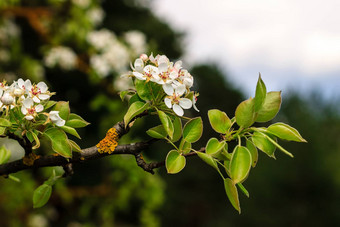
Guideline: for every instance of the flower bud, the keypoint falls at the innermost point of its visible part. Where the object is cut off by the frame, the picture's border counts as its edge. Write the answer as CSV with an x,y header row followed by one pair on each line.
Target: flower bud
x,y
18,92
7,99
144,57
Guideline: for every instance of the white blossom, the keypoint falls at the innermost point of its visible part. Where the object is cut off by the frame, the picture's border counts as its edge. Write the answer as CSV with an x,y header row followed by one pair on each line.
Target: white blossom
x,y
100,65
136,40
56,119
174,100
61,56
82,3
95,15
30,110
38,91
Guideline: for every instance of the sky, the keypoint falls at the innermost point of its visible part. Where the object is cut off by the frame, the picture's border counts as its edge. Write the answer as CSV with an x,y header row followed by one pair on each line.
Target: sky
x,y
292,43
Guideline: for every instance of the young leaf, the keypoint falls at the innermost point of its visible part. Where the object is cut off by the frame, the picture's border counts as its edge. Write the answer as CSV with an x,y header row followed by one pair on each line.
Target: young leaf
x,y
193,130
174,162
253,151
208,159
157,132
36,139
219,121
232,193
41,195
146,90
214,146
5,123
240,164
177,129
262,143
2,130
71,131
243,189
76,121
167,123
285,132
59,142
49,104
4,155
270,107
260,94
135,98
75,146
245,113
63,108
135,109
185,146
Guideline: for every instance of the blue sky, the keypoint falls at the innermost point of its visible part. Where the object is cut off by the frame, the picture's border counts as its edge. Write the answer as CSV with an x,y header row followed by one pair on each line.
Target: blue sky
x,y
294,44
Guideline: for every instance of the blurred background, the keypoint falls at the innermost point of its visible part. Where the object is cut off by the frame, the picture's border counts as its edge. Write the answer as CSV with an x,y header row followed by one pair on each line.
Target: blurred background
x,y
81,47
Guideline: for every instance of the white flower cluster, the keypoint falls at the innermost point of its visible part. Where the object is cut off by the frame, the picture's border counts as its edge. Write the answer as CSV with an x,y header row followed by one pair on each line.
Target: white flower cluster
x,y
111,55
61,56
136,40
175,80
28,98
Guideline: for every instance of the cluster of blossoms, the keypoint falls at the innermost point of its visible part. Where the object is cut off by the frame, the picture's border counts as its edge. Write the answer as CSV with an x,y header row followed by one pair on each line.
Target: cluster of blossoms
x,y
61,56
175,80
113,55
29,98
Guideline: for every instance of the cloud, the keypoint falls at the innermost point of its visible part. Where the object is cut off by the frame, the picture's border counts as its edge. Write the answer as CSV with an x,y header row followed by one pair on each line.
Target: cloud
x,y
301,35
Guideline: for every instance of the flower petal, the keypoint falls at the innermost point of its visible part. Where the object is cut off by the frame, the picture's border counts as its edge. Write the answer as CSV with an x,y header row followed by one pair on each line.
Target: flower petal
x,y
44,96
180,90
27,103
185,103
168,89
139,76
42,86
29,117
39,108
167,102
178,110
36,99
23,110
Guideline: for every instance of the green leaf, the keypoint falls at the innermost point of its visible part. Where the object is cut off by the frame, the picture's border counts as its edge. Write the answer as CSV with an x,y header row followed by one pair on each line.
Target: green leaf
x,y
193,130
157,132
122,94
59,142
185,146
63,108
135,98
49,104
2,130
262,143
208,159
260,94
214,147
135,109
240,164
36,139
245,113
167,123
75,146
285,132
219,121
253,151
147,90
76,121
177,129
232,193
30,136
5,123
243,189
270,107
70,130
41,195
4,155
174,162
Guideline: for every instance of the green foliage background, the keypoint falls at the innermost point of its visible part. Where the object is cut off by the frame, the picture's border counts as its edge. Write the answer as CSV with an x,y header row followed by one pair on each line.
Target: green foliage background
x,y
115,192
